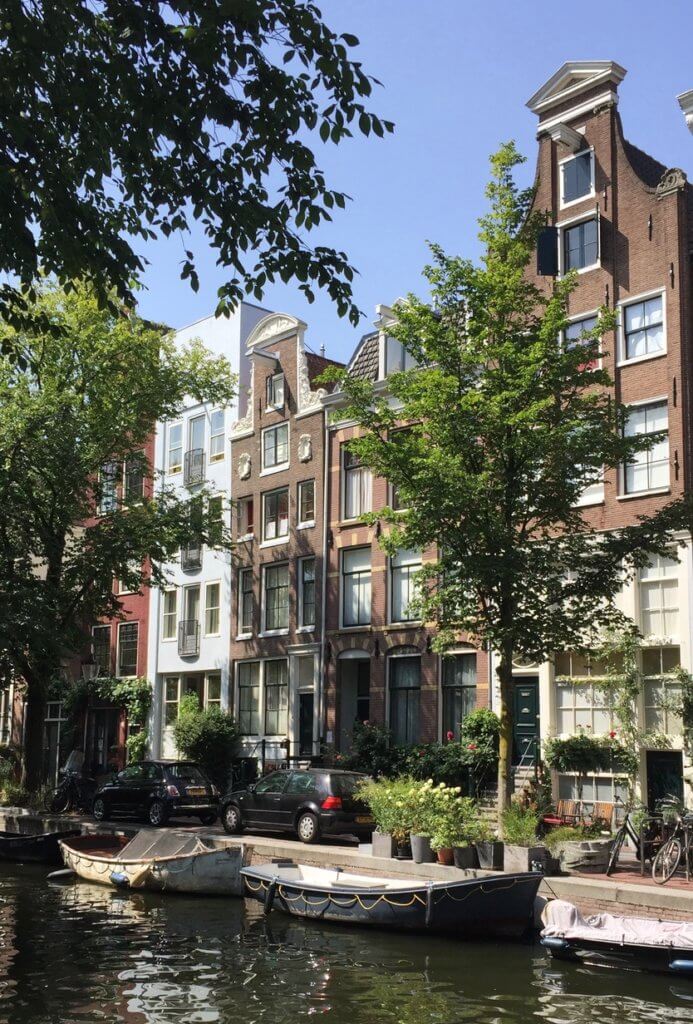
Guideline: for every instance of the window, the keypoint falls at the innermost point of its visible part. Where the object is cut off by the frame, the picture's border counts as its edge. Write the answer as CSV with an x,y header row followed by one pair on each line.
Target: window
x,y
249,697
302,783
101,644
212,607
306,594
405,693
213,690
275,520
275,446
245,601
580,704
662,690
275,391
580,245
108,484
659,597
276,697
215,510
577,177
356,485
574,332
276,596
403,569
196,434
175,447
643,328
171,700
396,501
216,435
245,517
169,616
648,470
306,503
397,358
600,788
356,586
133,487
128,633
192,603
459,690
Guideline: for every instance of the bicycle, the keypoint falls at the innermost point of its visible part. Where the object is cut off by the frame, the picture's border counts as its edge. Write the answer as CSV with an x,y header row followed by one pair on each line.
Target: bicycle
x,y
74,792
644,844
679,845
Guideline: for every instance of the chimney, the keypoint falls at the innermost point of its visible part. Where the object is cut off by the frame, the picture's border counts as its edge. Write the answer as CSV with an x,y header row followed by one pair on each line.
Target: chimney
x,y
686,104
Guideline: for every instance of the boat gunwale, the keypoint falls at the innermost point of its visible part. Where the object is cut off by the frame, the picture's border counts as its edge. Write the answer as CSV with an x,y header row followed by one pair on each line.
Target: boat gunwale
x,y
595,945
424,887
142,860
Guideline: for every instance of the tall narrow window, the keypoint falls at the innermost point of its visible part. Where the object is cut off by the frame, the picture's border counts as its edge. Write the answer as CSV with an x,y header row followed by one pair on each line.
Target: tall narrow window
x,y
171,688
643,328
216,435
133,485
275,391
175,447
405,697
580,704
169,614
108,483
212,608
276,596
249,698
659,597
662,690
356,480
581,245
356,586
128,634
216,520
275,446
276,697
276,514
213,690
245,602
307,591
459,690
246,524
306,503
101,642
403,569
649,470
577,177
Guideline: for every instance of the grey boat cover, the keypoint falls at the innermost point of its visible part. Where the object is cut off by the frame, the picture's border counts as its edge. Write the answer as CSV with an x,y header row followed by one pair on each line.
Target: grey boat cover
x,y
563,920
146,845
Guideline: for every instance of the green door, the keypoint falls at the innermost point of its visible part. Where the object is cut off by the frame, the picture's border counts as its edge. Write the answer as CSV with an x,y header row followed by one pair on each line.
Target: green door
x,y
525,720
664,776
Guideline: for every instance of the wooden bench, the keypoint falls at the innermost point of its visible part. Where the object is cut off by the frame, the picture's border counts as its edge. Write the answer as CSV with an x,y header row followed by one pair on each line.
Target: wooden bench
x,y
568,812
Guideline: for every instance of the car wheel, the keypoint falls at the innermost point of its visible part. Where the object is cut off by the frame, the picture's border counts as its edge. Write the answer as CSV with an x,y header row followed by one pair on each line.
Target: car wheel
x,y
307,828
231,820
208,819
100,810
158,813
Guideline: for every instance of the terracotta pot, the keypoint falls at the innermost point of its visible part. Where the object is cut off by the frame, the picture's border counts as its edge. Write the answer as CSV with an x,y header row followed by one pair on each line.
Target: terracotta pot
x,y
446,856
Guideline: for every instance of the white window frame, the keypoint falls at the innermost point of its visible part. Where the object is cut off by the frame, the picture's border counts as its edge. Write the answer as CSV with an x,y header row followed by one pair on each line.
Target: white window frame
x,y
217,456
342,581
178,468
590,707
270,386
621,307
281,466
279,630
260,702
213,702
579,318
280,538
128,622
103,626
565,205
392,569
164,615
165,702
242,503
110,505
217,632
666,682
666,575
362,469
242,634
571,223
625,494
301,562
286,687
304,524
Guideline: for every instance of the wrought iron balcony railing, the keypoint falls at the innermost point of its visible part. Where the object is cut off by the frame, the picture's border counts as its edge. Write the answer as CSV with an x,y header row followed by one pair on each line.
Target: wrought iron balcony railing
x,y
194,467
188,638
191,556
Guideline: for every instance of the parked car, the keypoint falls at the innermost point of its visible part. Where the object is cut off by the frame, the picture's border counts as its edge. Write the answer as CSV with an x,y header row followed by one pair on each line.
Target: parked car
x,y
156,791
310,802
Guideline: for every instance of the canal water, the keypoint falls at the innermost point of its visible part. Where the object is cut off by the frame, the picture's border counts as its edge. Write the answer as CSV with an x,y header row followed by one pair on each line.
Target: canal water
x,y
83,953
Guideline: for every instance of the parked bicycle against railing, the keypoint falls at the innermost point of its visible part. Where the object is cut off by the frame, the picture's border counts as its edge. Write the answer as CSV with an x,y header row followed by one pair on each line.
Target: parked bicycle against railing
x,y
75,791
678,847
645,837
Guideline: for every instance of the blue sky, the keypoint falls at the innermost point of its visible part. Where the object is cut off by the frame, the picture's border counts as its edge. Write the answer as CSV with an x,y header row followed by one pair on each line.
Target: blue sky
x,y
456,76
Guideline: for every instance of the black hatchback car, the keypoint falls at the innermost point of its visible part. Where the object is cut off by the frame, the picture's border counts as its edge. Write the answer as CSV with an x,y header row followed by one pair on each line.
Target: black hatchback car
x,y
156,791
310,802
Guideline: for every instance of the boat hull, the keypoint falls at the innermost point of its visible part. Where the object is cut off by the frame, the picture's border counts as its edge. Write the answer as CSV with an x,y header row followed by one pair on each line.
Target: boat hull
x,y
661,960
499,906
39,849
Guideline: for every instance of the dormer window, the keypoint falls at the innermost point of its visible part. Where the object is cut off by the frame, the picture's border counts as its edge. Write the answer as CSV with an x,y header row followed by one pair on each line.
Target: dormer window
x,y
397,359
577,177
275,391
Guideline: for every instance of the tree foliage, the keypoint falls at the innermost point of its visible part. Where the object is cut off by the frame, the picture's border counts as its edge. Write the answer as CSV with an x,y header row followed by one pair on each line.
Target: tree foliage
x,y
209,737
507,426
126,121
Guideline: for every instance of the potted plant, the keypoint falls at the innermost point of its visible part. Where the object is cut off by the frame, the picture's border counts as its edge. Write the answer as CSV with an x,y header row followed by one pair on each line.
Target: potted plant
x,y
523,850
579,848
454,824
391,807
489,849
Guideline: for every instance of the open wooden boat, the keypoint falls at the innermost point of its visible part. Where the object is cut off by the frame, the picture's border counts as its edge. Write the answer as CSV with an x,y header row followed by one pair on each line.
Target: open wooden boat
x,y
606,940
163,862
498,905
39,849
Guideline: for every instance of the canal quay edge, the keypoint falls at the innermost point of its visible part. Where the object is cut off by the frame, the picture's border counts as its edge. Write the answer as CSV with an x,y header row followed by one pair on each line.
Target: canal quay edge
x,y
591,895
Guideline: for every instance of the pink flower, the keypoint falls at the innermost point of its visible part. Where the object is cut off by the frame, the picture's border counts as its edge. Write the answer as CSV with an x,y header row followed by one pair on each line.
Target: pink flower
x,y
472,746
421,753
449,735
612,735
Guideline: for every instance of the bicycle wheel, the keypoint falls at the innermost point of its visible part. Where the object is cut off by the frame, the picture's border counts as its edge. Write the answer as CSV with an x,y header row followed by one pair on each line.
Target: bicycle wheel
x,y
667,860
59,800
616,849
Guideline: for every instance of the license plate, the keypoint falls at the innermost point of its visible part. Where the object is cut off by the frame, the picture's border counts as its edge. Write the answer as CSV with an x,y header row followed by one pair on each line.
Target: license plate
x,y
363,819
195,791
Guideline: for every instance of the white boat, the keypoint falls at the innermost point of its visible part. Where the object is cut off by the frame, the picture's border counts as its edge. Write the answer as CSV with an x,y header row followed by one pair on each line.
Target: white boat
x,y
162,862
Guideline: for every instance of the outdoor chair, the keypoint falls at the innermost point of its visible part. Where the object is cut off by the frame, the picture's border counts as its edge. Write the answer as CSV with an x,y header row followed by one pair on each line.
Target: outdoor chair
x,y
602,814
568,812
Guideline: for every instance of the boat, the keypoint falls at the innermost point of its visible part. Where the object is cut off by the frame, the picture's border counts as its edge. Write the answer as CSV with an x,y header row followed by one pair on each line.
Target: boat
x,y
607,940
484,905
162,862
38,849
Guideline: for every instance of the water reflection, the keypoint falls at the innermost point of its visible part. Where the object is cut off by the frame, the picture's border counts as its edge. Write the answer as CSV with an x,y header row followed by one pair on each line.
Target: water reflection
x,y
84,953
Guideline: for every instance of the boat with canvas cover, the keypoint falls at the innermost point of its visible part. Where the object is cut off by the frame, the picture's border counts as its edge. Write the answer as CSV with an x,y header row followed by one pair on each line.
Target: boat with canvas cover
x,y
39,849
484,905
162,862
607,940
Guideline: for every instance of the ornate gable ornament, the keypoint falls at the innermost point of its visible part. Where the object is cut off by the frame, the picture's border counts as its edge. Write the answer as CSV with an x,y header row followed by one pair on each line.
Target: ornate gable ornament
x,y
672,180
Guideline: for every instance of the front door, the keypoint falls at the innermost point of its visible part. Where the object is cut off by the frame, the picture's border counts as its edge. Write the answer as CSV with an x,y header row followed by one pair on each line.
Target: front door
x,y
664,776
525,720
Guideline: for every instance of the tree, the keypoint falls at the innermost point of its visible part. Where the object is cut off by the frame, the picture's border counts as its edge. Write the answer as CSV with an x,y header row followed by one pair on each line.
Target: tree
x,y
506,428
208,736
80,406
128,120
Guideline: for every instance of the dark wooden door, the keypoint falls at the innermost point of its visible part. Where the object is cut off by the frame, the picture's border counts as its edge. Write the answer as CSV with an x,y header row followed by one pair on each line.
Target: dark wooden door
x,y
525,720
664,776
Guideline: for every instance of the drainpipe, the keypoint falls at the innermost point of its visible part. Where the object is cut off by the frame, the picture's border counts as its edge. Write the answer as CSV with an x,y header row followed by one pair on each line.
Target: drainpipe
x,y
325,513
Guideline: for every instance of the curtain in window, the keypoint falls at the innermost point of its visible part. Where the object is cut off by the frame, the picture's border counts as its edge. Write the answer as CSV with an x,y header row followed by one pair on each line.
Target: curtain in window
x,y
405,694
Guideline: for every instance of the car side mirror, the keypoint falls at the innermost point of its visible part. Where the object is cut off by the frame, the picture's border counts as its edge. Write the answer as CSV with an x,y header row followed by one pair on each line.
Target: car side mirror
x,y
251,787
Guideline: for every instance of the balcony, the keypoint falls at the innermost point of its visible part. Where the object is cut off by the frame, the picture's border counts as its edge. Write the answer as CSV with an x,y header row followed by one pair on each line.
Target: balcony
x,y
191,556
188,638
194,467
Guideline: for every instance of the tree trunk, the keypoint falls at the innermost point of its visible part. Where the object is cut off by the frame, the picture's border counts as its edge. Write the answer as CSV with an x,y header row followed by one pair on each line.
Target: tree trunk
x,y
32,755
505,747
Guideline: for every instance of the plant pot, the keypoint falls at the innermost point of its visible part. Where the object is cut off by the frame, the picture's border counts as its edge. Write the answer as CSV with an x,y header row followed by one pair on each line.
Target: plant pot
x,y
588,855
465,857
525,858
490,855
421,852
383,845
446,856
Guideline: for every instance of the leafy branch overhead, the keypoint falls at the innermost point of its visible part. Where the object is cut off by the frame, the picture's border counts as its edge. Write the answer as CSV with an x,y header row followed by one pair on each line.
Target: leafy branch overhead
x,y
128,121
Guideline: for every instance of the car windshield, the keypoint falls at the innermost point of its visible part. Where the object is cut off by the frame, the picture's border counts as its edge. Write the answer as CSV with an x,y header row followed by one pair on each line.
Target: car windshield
x,y
188,773
345,785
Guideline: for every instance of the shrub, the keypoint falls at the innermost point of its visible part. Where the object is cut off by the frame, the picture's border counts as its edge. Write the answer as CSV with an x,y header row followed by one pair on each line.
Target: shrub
x,y
456,819
441,762
373,752
570,834
395,805
208,737
479,739
519,825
